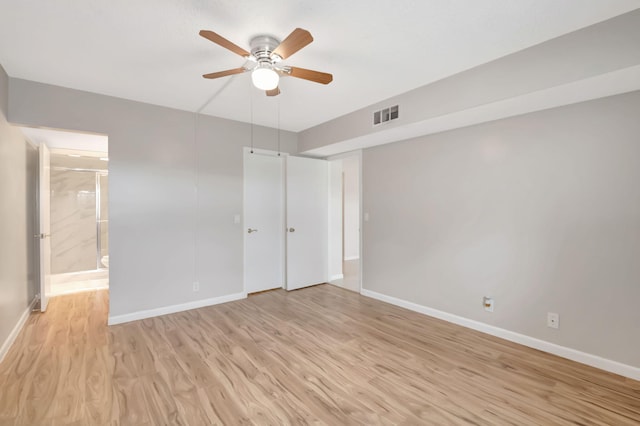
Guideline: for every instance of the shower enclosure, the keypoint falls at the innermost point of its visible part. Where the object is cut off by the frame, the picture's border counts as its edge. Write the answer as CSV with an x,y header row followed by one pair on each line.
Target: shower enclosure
x,y
79,219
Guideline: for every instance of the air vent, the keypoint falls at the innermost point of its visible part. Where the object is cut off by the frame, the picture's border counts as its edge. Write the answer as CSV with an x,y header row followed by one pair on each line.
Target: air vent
x,y
386,115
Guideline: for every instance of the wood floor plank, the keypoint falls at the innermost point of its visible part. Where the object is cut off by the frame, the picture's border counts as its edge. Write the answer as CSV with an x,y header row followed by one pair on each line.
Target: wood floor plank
x,y
192,407
129,404
71,390
321,355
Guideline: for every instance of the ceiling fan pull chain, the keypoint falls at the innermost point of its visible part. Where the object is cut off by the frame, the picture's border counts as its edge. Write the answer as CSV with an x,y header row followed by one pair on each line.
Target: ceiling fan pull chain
x,y
251,107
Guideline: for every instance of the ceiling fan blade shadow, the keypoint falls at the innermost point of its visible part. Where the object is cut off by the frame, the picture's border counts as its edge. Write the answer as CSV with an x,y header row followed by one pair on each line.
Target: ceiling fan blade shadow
x,y
311,75
225,73
295,41
219,40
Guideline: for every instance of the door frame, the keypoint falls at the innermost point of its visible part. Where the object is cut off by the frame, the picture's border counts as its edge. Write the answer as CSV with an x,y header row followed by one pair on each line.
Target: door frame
x,y
247,151
358,155
35,223
44,232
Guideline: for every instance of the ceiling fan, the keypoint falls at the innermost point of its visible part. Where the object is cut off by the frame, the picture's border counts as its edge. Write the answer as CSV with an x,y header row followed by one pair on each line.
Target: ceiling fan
x,y
265,56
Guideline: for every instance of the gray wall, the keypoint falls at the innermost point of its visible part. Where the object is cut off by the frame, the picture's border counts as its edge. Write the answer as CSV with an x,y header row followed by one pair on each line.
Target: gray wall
x,y
174,188
18,168
541,212
351,174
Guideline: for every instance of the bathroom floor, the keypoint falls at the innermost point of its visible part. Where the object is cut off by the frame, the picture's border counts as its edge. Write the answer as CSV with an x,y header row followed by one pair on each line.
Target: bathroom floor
x,y
79,281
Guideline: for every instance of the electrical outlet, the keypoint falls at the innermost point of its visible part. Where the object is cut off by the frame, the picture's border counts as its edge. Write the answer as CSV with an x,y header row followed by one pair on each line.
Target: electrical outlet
x,y
196,286
553,320
487,302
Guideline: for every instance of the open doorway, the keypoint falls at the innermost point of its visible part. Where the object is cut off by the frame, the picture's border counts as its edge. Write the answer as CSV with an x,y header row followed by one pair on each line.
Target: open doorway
x,y
74,214
79,220
344,221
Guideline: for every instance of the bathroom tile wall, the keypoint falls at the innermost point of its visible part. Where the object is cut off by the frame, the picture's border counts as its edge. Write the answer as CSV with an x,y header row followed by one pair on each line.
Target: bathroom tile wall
x,y
73,220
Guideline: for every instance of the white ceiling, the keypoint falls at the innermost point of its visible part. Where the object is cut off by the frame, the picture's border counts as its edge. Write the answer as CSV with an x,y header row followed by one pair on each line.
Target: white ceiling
x,y
150,51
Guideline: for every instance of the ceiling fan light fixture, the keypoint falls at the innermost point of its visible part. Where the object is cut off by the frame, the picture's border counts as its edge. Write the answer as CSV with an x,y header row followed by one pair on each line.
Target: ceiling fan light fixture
x,y
265,78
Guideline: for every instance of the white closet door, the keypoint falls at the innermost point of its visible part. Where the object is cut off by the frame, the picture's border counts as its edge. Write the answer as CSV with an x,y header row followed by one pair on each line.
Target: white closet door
x,y
264,222
307,221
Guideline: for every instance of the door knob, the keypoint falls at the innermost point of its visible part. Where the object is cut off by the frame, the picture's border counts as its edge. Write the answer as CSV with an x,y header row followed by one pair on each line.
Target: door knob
x,y
292,229
251,230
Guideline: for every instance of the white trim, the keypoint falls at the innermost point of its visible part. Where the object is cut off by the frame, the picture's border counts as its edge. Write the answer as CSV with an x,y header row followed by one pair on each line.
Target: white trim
x,y
343,155
267,152
30,142
4,349
361,220
336,277
346,259
562,351
172,309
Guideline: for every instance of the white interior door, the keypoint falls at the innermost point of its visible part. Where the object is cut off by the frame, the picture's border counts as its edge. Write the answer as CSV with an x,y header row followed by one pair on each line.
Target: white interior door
x,y
307,222
264,222
44,226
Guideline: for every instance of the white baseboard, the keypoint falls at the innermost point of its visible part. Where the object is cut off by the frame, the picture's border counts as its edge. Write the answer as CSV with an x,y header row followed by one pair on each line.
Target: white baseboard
x,y
562,351
16,330
336,277
172,309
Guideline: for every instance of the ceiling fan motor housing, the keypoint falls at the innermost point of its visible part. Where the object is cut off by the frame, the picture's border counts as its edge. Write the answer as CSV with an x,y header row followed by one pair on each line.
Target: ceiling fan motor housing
x,y
262,48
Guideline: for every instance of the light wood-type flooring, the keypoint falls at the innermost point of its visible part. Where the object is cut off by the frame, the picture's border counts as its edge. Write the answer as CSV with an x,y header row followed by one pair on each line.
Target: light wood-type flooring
x,y
321,355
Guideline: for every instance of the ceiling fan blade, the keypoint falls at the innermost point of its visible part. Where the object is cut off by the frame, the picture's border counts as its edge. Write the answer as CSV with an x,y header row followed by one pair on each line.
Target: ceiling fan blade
x,y
311,75
225,73
295,41
273,92
218,39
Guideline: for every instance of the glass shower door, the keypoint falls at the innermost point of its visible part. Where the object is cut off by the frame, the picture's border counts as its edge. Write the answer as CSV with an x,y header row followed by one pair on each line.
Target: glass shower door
x,y
103,221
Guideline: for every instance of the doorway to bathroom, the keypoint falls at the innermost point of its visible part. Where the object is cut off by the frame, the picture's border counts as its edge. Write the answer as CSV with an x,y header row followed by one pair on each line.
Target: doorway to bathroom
x,y
74,213
79,221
